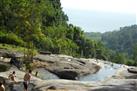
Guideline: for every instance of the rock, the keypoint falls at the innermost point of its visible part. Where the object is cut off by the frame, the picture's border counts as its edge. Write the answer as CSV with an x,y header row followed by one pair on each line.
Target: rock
x,y
132,70
67,74
65,69
52,88
10,54
4,67
16,62
66,85
117,85
19,78
123,73
15,57
45,52
63,66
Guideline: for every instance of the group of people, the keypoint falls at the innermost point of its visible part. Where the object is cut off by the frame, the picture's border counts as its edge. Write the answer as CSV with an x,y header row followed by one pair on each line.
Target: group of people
x,y
12,76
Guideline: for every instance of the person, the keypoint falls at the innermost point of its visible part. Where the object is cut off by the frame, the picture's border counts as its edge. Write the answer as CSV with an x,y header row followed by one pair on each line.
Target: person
x,y
12,77
27,78
2,88
36,74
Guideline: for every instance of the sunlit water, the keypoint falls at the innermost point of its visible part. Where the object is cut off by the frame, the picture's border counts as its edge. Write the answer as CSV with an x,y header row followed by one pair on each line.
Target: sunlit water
x,y
103,73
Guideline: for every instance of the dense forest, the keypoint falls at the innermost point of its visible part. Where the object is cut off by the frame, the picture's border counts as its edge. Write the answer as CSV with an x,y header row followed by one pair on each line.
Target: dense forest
x,y
93,35
122,42
41,24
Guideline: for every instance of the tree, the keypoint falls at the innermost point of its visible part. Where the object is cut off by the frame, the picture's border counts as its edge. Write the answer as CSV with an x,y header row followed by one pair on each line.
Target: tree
x,y
135,53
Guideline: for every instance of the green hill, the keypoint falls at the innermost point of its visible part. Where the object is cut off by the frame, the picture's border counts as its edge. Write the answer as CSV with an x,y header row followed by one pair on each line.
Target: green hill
x,y
122,44
122,40
41,24
93,35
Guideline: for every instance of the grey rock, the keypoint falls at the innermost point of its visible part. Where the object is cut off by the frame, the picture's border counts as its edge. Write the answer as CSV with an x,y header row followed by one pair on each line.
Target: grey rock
x,y
68,68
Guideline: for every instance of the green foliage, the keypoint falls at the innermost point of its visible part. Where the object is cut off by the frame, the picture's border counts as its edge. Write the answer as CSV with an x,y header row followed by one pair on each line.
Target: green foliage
x,y
93,35
3,67
65,46
29,53
42,25
119,58
122,44
122,40
122,58
11,38
135,53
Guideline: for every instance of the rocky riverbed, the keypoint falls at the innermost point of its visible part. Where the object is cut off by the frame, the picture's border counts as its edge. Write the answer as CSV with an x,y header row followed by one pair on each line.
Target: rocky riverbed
x,y
67,67
110,84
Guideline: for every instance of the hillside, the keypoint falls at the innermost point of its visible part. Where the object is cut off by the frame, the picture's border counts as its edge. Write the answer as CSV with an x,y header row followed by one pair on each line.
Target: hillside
x,y
122,43
122,40
42,25
93,35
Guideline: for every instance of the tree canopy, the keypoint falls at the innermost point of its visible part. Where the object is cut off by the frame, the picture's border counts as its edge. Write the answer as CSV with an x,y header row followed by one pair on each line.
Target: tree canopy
x,y
43,23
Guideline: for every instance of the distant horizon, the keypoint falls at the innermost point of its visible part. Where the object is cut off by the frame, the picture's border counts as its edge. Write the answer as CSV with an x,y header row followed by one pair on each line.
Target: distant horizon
x,y
96,19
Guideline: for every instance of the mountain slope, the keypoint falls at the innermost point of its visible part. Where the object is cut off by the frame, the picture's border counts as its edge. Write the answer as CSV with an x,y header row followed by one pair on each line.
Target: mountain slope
x,y
41,24
123,40
93,35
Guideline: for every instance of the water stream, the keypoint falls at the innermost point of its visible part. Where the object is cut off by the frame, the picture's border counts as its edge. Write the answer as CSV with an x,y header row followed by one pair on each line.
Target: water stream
x,y
106,71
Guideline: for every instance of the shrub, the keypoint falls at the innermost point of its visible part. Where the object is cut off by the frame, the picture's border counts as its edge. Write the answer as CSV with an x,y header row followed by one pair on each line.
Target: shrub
x,y
11,38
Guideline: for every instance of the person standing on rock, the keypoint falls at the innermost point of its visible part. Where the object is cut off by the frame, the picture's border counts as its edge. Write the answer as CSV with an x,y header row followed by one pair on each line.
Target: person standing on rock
x,y
27,78
2,88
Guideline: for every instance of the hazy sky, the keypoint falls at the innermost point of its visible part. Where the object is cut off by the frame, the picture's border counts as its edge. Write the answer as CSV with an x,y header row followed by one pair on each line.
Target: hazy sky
x,y
100,15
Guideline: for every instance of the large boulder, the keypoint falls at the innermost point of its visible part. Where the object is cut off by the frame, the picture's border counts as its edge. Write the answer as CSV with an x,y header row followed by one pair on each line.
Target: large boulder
x,y
132,70
15,57
67,67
